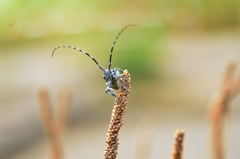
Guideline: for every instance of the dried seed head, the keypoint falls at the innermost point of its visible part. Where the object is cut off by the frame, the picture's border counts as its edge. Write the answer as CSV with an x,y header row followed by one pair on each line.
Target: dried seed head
x,y
118,113
178,145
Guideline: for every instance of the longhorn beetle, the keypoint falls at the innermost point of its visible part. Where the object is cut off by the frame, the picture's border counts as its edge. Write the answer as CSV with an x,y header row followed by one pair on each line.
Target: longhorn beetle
x,y
110,75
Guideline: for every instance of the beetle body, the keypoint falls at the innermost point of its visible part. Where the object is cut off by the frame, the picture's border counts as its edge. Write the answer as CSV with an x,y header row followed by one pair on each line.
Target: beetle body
x,y
112,78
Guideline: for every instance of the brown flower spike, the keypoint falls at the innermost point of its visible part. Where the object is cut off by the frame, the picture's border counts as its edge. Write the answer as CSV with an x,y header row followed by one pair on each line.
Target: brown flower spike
x,y
118,113
229,89
178,145
54,124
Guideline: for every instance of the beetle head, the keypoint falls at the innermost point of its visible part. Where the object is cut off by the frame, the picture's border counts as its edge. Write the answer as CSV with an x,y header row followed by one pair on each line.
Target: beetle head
x,y
107,75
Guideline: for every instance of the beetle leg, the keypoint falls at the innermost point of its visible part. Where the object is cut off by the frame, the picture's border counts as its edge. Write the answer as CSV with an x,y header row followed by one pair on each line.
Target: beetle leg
x,y
110,91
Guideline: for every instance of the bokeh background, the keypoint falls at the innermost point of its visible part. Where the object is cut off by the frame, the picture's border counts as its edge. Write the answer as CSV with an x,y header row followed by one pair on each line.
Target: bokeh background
x,y
176,56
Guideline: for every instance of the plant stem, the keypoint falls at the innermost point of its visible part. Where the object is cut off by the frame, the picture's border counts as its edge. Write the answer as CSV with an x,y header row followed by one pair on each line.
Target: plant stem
x,y
229,88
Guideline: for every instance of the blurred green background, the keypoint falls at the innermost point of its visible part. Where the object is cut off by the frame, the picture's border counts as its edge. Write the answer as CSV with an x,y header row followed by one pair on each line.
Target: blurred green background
x,y
175,55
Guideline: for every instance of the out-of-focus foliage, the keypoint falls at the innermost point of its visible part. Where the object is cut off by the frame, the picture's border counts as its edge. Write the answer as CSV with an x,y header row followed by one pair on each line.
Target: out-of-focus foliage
x,y
200,14
93,24
141,51
37,18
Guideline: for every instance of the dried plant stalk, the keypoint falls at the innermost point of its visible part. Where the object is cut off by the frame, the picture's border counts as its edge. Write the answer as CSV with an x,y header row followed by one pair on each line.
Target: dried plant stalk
x,y
45,108
63,107
53,126
50,125
178,145
118,113
219,108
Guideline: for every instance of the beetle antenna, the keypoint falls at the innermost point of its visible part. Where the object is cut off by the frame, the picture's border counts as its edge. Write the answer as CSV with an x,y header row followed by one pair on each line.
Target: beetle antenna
x,y
79,50
114,43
